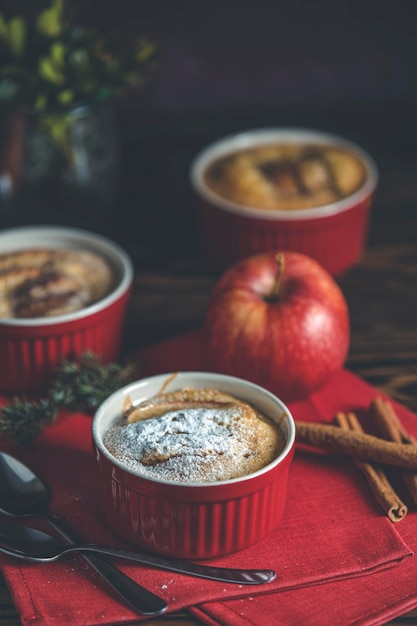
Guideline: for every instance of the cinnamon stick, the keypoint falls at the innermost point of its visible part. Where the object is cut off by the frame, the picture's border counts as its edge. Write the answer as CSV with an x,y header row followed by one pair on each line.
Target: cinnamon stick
x,y
374,475
388,423
389,427
357,445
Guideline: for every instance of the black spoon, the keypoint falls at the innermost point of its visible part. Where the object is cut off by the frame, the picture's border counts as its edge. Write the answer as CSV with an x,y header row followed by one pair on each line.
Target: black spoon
x,y
23,494
34,545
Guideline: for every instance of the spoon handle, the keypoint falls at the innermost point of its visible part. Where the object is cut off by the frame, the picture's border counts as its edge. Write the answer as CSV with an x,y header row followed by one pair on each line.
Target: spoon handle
x,y
223,574
138,598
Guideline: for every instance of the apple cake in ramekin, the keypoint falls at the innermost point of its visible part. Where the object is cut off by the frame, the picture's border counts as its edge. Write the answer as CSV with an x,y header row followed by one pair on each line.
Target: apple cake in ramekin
x,y
288,189
63,292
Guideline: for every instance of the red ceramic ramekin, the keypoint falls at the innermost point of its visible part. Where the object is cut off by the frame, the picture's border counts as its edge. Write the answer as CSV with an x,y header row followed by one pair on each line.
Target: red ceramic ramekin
x,y
334,234
198,521
31,348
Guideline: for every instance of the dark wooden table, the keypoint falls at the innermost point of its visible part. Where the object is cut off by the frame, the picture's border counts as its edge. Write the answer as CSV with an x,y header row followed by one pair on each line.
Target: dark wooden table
x,y
155,220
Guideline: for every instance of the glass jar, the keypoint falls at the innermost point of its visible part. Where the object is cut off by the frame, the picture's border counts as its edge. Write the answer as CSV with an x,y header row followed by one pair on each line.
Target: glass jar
x,y
59,168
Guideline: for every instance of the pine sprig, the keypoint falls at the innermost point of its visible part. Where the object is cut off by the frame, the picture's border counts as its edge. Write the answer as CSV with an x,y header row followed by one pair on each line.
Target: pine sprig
x,y
77,386
84,385
23,421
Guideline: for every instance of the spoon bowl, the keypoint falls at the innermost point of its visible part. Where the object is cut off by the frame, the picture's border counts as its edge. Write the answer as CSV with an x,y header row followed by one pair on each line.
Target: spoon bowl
x,y
34,545
23,494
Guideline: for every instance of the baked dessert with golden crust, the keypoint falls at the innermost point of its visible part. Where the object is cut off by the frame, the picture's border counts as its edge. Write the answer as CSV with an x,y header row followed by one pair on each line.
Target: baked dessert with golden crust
x,y
194,436
43,282
286,177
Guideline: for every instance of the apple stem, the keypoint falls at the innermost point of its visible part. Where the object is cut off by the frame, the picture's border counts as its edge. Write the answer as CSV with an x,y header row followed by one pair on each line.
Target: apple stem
x,y
280,259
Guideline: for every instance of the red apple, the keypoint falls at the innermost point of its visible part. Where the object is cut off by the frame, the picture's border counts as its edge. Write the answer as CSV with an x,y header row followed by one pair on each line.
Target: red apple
x,y
279,320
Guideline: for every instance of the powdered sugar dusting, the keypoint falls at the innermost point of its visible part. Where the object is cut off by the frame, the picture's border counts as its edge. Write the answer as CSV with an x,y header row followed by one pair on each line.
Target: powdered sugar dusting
x,y
201,444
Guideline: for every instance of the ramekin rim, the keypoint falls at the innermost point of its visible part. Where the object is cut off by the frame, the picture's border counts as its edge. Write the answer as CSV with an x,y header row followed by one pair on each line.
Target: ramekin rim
x,y
246,139
289,445
115,294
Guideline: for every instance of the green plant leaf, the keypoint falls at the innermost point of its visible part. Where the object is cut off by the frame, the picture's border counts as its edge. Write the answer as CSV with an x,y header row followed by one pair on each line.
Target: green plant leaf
x,y
75,62
4,31
17,30
50,21
57,127
40,102
66,96
50,71
145,51
58,53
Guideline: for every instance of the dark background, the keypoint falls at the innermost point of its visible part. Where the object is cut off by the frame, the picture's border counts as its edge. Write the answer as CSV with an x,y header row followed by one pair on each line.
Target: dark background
x,y
294,57
346,66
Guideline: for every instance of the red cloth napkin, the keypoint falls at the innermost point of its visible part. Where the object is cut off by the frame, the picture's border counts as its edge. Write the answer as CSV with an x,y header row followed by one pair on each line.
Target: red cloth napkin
x,y
332,535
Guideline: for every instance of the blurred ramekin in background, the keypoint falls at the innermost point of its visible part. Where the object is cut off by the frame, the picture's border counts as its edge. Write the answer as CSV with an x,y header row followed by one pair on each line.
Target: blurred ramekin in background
x,y
334,233
30,348
199,520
